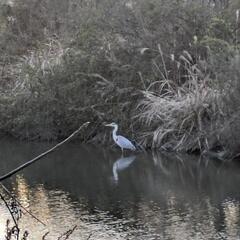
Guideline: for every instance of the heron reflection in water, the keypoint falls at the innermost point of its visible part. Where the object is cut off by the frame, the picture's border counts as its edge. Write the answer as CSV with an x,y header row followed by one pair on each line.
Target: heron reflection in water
x,y
121,164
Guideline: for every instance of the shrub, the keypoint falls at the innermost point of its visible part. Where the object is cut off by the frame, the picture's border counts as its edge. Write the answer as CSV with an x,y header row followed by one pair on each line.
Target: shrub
x,y
182,118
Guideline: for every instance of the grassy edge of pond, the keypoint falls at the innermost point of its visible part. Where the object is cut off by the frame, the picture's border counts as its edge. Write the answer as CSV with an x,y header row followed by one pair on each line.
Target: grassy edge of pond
x,y
167,72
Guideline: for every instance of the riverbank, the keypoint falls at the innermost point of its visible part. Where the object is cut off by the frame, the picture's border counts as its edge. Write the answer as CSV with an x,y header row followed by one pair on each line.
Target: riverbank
x,y
167,72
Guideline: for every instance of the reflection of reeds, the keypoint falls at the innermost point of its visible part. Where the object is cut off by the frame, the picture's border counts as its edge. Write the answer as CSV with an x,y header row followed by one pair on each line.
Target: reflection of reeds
x,y
182,117
13,231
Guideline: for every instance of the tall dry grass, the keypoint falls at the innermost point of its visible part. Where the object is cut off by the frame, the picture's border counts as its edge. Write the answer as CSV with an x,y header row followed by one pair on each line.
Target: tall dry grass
x,y
186,117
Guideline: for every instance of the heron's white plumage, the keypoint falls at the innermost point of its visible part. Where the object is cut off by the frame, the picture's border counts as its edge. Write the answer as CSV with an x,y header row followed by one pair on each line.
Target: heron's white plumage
x,y
121,141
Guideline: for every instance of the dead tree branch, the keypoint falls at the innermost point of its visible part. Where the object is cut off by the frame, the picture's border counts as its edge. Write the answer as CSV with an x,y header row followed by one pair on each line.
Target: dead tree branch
x,y
43,154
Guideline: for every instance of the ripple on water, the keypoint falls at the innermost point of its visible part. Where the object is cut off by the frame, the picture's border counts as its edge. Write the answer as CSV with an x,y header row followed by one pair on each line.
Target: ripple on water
x,y
154,197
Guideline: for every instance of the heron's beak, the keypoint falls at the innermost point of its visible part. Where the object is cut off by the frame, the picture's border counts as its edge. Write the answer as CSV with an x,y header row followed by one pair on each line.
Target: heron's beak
x,y
108,125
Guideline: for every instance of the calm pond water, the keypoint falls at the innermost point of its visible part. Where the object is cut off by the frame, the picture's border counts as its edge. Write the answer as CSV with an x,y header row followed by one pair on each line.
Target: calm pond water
x,y
142,196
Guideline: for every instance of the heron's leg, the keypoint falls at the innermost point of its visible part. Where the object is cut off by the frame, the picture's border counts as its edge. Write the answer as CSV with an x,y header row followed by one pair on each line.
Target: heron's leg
x,y
122,151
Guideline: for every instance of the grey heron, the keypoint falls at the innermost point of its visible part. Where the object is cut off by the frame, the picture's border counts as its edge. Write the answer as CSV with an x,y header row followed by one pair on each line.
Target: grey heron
x,y
121,141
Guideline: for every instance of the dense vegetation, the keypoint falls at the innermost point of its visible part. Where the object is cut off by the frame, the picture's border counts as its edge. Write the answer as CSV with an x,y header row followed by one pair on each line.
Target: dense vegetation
x,y
167,71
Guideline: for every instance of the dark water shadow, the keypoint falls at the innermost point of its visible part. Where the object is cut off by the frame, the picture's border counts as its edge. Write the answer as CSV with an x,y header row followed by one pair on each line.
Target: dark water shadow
x,y
153,195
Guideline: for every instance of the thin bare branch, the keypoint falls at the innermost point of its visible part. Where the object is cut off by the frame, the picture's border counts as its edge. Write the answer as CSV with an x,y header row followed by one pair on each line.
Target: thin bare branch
x,y
43,154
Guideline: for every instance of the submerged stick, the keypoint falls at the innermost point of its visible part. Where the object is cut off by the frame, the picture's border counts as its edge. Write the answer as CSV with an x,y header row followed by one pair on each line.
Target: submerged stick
x,y
67,233
42,154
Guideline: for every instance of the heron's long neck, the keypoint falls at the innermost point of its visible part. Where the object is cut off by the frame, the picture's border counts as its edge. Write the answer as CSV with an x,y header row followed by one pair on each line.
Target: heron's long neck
x,y
114,133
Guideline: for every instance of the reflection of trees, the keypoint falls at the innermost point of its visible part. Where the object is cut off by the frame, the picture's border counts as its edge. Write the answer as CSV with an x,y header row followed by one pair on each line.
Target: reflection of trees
x,y
58,211
182,199
164,195
178,222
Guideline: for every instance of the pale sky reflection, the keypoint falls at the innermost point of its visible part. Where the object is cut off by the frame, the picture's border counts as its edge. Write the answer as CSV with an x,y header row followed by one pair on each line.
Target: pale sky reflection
x,y
54,208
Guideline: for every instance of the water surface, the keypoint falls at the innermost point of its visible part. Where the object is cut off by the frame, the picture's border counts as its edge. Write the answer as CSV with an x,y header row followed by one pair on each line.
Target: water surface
x,y
138,196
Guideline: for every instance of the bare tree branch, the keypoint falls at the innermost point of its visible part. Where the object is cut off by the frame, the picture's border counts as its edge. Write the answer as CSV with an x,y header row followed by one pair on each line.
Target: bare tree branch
x,y
43,154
